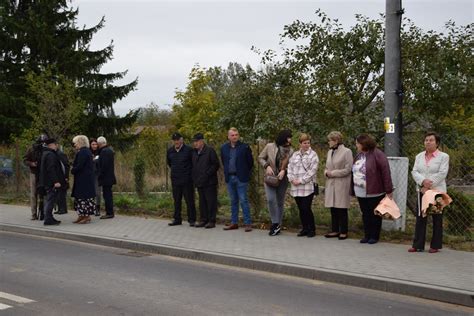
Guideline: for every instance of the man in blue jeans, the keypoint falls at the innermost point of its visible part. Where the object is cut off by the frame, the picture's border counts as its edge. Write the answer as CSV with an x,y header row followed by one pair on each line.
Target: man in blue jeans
x,y
238,163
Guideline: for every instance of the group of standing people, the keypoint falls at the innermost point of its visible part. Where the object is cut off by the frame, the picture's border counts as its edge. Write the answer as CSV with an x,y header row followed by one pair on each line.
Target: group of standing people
x,y
365,176
93,172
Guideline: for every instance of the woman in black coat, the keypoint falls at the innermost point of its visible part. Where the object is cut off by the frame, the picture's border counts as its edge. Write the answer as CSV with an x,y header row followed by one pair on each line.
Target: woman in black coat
x,y
83,189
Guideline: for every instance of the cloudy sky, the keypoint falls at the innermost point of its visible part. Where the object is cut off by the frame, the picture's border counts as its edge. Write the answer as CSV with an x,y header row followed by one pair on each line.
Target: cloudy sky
x,y
160,41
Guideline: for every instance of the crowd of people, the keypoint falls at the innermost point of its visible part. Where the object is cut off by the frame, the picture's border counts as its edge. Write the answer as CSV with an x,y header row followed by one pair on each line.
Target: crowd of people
x,y
365,176
50,169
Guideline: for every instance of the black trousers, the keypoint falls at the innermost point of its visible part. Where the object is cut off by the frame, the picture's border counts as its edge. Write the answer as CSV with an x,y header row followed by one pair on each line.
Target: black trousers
x,y
208,203
49,202
372,222
339,220
420,230
62,203
108,199
306,214
186,190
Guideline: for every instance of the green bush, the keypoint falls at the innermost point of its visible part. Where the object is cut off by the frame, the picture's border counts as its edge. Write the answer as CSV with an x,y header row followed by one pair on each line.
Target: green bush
x,y
139,173
459,214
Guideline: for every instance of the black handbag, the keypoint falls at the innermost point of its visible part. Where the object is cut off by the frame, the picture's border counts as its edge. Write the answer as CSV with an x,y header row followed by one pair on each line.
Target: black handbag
x,y
316,189
271,180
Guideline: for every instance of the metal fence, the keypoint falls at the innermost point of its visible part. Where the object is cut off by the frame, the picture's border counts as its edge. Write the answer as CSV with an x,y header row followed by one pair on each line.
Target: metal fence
x,y
147,171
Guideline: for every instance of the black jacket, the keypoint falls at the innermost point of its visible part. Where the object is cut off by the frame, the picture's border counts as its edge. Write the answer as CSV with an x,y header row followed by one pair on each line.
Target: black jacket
x,y
51,170
84,178
106,167
181,164
205,166
65,160
33,154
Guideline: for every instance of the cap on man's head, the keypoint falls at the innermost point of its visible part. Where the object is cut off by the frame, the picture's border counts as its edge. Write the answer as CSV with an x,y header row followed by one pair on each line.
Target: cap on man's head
x,y
176,136
42,138
50,141
198,136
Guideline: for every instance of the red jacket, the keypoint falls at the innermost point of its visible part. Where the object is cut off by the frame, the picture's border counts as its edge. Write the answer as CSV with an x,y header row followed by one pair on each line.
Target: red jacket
x,y
377,173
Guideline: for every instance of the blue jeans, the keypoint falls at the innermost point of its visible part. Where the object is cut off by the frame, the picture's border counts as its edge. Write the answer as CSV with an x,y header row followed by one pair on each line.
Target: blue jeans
x,y
238,192
276,201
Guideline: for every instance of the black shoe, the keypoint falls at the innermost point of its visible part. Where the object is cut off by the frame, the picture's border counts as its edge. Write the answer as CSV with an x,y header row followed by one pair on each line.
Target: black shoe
x,y
210,225
200,224
60,212
34,217
342,237
51,223
311,234
41,217
364,240
302,233
275,230
192,224
372,241
174,223
331,235
106,216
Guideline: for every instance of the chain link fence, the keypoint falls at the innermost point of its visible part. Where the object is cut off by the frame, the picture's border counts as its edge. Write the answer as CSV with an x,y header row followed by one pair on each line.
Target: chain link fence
x,y
142,172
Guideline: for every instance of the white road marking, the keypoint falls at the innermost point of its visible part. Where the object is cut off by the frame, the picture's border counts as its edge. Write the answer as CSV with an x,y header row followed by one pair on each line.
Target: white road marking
x,y
15,298
4,306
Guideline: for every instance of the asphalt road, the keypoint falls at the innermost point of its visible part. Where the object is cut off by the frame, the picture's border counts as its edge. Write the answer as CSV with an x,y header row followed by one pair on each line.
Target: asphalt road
x,y
42,276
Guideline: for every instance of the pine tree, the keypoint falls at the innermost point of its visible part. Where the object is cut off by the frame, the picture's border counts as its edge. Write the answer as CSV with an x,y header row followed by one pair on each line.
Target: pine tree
x,y
36,34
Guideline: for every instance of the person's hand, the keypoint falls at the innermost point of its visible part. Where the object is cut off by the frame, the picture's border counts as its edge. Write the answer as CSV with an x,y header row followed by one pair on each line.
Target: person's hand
x,y
269,171
57,185
427,183
296,182
34,164
390,195
281,174
327,173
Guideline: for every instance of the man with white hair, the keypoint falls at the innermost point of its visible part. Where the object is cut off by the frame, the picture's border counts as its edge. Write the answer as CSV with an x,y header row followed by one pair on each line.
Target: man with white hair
x,y
106,175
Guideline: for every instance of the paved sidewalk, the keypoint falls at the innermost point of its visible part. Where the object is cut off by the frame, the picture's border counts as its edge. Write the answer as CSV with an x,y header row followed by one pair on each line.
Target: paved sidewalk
x,y
446,276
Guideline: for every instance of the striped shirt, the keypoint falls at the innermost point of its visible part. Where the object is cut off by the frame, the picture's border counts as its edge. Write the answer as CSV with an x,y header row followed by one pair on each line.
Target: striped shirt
x,y
303,166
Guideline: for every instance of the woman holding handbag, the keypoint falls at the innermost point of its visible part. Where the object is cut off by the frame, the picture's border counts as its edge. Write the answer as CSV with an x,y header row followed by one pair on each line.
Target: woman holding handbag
x,y
371,181
429,172
302,170
274,160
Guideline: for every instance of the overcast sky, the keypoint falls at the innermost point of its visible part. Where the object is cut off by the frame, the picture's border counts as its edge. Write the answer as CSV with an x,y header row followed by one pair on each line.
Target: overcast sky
x,y
160,41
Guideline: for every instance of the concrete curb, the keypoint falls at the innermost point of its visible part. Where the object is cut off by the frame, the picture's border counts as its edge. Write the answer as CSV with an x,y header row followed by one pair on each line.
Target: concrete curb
x,y
427,291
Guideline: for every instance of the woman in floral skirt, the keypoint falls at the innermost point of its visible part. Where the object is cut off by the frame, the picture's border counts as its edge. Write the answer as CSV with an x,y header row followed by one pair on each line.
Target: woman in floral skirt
x,y
83,189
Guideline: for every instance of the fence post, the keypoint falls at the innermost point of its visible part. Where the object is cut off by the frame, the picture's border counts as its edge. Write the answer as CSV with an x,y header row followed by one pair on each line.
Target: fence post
x,y
17,168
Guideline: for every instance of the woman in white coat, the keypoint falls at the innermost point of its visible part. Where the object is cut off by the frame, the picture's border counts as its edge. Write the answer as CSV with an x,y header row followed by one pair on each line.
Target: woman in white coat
x,y
429,172
338,185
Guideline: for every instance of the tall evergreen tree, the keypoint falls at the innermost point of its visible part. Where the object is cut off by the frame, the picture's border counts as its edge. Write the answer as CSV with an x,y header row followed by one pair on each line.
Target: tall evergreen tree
x,y
36,34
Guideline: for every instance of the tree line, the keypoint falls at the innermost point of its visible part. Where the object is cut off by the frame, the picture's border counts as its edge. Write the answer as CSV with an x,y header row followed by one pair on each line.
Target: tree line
x,y
324,77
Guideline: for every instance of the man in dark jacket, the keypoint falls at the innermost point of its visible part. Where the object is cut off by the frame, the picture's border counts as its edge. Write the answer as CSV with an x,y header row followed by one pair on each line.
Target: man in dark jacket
x,y
32,159
179,159
51,179
238,162
106,175
205,166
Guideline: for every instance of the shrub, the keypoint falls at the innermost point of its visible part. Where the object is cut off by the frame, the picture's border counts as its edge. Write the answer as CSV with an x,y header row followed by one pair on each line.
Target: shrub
x,y
459,214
